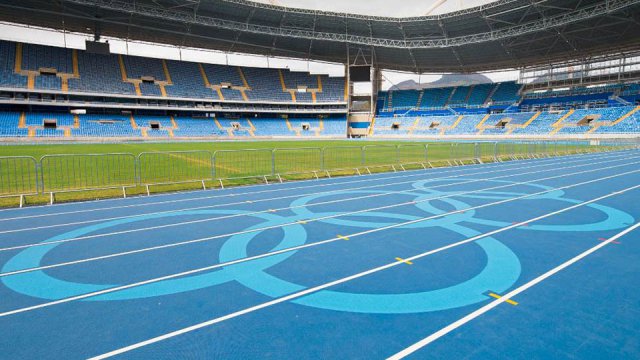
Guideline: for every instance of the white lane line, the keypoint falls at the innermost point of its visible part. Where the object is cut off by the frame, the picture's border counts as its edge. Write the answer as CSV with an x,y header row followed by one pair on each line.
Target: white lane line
x,y
404,176
462,321
347,279
224,217
337,238
294,222
338,191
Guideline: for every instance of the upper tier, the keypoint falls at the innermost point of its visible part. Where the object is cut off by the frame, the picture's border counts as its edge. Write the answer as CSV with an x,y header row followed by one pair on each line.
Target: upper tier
x,y
36,67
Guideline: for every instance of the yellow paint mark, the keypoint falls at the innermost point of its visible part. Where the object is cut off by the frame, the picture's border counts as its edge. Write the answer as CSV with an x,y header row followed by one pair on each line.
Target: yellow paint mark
x,y
313,97
76,121
218,123
144,132
163,91
65,83
204,76
74,59
18,60
415,125
244,95
508,301
281,76
319,83
174,124
455,124
293,96
342,237
404,261
22,122
244,79
219,91
67,132
372,125
288,124
481,123
123,70
167,76
136,86
253,128
133,122
563,118
625,116
31,132
170,131
31,80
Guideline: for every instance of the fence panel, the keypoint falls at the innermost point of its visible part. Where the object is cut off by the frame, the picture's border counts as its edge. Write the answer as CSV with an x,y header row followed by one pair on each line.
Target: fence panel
x,y
463,151
376,155
297,160
235,164
342,157
486,150
412,154
18,175
439,152
87,172
175,166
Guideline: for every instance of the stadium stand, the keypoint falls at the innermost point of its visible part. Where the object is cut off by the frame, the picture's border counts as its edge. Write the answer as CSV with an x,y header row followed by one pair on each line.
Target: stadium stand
x,y
493,109
58,69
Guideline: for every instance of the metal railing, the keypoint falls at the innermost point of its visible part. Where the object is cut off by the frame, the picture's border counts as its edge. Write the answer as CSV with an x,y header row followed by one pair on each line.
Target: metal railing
x,y
23,175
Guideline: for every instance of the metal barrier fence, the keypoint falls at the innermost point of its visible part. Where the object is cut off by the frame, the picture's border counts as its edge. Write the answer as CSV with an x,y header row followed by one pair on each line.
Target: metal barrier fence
x,y
18,175
175,167
23,175
63,173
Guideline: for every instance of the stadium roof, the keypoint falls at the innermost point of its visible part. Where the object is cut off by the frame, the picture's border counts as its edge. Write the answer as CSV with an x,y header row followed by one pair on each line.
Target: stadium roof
x,y
495,35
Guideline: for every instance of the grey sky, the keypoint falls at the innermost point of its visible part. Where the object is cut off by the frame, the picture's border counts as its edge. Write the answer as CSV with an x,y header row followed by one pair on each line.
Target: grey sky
x,y
401,8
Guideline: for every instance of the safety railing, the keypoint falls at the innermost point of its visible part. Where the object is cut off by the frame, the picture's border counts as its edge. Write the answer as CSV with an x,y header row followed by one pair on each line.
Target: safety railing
x,y
23,175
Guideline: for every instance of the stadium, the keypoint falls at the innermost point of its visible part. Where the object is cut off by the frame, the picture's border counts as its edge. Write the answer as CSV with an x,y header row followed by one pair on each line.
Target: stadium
x,y
233,179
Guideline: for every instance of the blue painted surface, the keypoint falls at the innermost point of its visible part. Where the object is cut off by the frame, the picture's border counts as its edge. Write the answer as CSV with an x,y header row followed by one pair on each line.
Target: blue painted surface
x,y
588,311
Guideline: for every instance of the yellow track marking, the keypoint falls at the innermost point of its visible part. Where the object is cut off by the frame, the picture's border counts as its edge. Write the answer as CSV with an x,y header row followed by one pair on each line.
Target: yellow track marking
x,y
404,261
509,301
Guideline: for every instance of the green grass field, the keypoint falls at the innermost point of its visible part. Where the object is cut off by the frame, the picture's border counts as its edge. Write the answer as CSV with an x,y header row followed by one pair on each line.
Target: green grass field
x,y
89,171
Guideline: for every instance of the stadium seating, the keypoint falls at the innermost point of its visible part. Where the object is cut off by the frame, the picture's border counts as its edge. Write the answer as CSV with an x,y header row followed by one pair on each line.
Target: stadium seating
x,y
133,75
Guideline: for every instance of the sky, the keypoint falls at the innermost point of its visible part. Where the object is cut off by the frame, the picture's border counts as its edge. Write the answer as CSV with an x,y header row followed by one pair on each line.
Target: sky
x,y
43,36
402,8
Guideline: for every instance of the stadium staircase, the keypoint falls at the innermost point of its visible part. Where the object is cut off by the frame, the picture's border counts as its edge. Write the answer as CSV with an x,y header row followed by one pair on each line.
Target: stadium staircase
x,y
491,93
414,126
452,127
513,127
291,129
22,122
480,126
557,126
